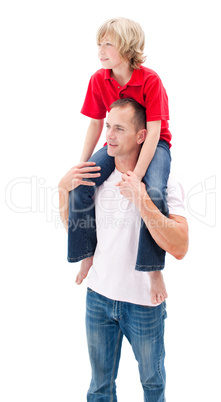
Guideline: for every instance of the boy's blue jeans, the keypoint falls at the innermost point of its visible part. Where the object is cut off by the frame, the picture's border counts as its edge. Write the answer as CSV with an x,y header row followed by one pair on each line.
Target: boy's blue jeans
x,y
82,237
107,321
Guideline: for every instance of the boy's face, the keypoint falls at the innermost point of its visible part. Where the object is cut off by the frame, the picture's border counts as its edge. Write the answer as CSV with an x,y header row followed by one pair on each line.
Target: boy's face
x,y
108,54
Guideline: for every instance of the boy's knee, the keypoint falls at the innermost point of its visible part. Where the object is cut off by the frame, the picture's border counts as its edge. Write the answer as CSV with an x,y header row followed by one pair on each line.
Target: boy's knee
x,y
158,197
81,199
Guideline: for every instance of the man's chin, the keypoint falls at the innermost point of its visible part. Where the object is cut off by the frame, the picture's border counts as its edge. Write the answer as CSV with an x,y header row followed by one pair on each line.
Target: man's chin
x,y
110,151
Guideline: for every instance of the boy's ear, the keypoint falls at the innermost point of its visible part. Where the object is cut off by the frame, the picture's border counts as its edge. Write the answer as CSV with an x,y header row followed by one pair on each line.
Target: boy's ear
x,y
141,136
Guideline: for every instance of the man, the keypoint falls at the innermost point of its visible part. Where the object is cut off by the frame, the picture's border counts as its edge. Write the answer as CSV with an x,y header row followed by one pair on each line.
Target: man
x,y
118,297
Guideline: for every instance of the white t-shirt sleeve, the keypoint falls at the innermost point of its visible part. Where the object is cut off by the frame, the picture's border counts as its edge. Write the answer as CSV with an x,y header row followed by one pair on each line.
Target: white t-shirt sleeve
x,y
175,197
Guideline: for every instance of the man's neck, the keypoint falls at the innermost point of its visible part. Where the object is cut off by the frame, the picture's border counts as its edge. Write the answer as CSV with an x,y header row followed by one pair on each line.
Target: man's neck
x,y
123,164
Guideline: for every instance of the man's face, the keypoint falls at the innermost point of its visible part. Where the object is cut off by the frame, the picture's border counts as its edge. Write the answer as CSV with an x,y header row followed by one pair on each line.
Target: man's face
x,y
121,134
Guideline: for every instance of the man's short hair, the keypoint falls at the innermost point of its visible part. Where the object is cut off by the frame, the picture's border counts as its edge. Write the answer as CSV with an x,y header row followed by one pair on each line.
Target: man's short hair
x,y
139,118
128,37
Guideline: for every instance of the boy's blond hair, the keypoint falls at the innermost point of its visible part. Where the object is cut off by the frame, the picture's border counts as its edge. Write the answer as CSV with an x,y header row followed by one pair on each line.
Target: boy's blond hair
x,y
128,37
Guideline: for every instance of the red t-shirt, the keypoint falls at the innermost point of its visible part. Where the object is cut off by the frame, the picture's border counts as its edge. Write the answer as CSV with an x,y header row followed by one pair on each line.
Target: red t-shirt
x,y
145,87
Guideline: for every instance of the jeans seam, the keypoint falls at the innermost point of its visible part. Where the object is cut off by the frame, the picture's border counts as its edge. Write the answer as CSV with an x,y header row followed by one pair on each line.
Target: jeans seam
x,y
162,348
86,238
81,257
159,362
114,365
149,267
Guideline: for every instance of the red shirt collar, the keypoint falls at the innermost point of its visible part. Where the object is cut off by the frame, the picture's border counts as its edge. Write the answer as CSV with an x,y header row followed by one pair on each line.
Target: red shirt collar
x,y
136,79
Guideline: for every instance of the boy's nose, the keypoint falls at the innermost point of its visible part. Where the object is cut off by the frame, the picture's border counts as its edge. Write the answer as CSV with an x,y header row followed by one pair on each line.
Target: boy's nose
x,y
101,50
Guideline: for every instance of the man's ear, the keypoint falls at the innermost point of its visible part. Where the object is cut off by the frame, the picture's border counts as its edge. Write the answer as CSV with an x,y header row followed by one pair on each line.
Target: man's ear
x,y
141,136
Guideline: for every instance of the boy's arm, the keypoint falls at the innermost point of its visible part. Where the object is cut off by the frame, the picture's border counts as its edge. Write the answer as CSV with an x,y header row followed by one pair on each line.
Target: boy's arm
x,y
171,234
93,134
148,149
74,178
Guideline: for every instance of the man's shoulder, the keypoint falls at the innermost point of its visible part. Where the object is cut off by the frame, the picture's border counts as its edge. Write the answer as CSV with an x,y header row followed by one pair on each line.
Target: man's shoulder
x,y
174,184
176,196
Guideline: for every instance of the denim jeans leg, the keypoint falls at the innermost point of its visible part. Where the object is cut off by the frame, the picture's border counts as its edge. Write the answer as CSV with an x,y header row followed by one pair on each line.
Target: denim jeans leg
x,y
104,338
144,329
150,256
82,237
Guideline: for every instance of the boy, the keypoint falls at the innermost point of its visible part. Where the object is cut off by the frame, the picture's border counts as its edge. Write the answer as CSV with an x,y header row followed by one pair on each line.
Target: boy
x,y
121,44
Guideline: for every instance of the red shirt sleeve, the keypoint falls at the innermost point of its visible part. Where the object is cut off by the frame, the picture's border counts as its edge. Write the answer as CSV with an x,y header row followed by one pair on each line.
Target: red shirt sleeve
x,y
155,99
94,106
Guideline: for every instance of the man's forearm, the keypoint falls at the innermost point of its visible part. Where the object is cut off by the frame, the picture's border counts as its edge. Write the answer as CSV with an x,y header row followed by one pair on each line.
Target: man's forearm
x,y
171,234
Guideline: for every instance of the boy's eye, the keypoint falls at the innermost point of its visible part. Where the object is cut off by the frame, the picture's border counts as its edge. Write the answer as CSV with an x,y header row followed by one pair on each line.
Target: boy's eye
x,y
108,44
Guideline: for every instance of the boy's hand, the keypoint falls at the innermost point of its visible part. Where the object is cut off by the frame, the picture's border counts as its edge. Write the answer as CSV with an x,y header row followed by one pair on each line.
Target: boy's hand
x,y
75,176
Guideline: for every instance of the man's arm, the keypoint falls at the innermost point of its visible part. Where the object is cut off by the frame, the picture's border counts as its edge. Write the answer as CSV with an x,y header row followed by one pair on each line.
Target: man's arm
x,y
74,178
171,234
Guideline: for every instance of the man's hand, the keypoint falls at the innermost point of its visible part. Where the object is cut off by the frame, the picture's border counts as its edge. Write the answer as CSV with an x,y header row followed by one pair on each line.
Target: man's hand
x,y
132,188
73,179
171,234
75,176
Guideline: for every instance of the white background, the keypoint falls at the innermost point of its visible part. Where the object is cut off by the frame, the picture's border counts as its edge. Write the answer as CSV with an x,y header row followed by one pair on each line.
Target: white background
x,y
48,53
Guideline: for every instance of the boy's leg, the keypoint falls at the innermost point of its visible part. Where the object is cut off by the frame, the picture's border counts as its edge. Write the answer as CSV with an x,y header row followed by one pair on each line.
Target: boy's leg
x,y
82,238
158,291
150,256
144,328
104,338
86,264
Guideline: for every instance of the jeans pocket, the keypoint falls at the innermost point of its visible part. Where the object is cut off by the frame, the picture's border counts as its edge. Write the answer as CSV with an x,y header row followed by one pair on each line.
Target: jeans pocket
x,y
147,307
89,290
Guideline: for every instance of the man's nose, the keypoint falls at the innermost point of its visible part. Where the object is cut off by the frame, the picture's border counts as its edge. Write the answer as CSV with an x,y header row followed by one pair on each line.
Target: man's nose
x,y
111,133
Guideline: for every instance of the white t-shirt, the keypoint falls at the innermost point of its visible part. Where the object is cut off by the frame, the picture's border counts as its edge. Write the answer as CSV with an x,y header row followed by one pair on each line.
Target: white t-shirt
x,y
113,273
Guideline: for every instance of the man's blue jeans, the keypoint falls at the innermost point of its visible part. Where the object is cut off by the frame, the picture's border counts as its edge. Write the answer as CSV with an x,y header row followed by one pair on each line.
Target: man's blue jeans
x,y
82,237
107,321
